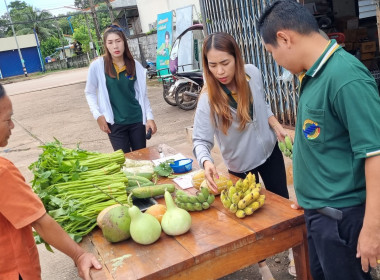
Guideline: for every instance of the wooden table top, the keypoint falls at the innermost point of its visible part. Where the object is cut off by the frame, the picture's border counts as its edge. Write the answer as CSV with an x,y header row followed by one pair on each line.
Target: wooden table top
x,y
213,232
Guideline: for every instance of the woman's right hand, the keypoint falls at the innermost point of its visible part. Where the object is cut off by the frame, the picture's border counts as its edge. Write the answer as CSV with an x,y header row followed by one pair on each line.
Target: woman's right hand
x,y
103,124
210,173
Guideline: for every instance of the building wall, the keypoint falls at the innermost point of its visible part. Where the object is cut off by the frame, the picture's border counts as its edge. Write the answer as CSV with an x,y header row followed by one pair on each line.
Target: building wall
x,y
149,9
10,64
147,49
24,41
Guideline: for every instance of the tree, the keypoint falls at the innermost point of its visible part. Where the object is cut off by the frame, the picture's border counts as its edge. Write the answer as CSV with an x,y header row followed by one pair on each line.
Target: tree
x,y
27,19
36,20
81,35
49,45
86,3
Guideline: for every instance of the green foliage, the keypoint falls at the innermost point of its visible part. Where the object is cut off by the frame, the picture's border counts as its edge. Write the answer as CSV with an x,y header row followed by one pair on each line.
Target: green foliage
x,y
48,46
81,35
164,169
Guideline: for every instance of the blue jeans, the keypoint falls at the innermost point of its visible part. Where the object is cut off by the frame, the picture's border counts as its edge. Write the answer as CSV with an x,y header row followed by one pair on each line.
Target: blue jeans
x,y
332,244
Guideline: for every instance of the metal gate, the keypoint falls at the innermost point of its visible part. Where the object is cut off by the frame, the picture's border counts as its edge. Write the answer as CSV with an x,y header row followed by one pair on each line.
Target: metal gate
x,y
239,18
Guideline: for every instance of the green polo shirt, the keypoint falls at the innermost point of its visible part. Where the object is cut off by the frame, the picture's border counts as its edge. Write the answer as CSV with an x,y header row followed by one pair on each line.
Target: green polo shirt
x,y
338,126
125,107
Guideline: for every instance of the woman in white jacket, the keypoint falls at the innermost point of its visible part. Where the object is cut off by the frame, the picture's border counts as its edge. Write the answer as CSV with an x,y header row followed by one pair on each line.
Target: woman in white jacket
x,y
116,93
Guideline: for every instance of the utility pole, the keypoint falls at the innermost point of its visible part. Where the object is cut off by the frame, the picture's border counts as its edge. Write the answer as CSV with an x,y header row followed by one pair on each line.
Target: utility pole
x,y
89,31
95,18
109,7
18,48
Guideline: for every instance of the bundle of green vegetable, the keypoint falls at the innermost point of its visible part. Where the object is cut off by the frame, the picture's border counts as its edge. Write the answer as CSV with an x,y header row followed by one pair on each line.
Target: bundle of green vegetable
x,y
64,179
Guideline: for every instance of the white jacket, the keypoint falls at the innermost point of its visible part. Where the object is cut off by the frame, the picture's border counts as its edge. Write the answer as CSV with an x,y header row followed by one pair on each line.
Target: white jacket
x,y
97,94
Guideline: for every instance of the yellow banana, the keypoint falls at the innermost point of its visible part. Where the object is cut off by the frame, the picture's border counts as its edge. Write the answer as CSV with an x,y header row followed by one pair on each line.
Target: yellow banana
x,y
255,194
240,214
248,211
231,192
235,197
238,184
242,204
233,208
254,205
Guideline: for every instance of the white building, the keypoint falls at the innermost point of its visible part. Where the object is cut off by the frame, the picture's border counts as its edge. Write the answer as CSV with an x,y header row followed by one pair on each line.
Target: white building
x,y
149,9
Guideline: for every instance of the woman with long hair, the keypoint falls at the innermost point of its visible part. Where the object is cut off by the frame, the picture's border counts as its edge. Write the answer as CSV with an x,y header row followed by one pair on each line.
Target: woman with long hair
x,y
232,108
116,93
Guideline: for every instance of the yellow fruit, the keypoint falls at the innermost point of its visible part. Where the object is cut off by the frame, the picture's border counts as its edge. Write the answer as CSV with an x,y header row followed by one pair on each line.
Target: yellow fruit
x,y
233,207
157,211
221,183
248,211
240,214
198,178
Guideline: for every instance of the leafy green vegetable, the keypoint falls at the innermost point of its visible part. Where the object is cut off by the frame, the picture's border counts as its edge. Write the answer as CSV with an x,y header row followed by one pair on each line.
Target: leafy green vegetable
x,y
164,169
64,179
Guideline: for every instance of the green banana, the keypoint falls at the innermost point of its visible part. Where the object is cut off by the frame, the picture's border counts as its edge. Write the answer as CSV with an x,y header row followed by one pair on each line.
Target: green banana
x,y
288,143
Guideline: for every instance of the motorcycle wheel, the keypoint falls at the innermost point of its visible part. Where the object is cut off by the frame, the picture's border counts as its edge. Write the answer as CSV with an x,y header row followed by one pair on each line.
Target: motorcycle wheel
x,y
184,101
169,98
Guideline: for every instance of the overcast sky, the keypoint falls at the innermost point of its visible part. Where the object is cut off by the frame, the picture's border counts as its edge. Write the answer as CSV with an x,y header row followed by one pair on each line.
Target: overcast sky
x,y
54,6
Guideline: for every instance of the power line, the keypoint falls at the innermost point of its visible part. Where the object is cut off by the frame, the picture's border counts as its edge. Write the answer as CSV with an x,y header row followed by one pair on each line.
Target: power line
x,y
51,18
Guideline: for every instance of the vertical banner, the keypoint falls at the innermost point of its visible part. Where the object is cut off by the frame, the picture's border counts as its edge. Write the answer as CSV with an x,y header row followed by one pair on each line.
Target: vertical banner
x,y
164,39
185,51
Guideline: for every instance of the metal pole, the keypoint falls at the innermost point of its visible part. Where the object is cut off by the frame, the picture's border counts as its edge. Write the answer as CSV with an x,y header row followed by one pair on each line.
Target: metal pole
x,y
18,48
95,18
62,41
109,7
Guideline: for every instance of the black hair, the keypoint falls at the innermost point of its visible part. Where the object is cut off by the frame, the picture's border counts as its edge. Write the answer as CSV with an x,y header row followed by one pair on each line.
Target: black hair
x,y
285,14
167,33
2,91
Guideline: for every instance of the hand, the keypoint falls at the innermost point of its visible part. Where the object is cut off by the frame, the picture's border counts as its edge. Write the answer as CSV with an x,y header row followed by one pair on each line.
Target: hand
x,y
151,124
210,172
295,205
103,124
280,132
84,263
368,248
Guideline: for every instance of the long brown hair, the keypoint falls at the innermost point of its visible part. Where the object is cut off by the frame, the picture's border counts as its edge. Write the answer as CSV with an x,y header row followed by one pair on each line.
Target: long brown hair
x,y
128,58
218,100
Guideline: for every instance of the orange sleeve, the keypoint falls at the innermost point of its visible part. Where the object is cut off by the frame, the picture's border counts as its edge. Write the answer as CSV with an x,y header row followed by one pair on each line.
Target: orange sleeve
x,y
18,203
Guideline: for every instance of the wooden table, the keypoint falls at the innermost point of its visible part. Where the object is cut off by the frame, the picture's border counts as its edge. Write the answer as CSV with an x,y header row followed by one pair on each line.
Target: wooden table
x,y
217,244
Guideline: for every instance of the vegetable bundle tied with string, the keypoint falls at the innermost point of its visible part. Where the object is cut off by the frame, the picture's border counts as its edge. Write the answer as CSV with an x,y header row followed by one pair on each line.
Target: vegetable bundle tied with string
x,y
64,179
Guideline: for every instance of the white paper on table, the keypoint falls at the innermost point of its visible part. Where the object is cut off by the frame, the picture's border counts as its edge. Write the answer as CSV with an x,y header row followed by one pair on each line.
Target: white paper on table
x,y
173,157
185,181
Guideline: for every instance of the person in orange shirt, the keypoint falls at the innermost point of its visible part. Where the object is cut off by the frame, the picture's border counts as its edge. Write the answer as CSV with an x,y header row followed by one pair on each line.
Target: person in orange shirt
x,y
20,210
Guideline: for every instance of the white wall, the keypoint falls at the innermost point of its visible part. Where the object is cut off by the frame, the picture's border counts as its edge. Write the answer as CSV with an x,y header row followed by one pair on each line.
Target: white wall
x,y
149,9
24,41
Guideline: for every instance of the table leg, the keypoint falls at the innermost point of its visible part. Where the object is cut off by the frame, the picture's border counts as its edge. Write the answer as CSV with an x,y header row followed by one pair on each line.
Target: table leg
x,y
301,258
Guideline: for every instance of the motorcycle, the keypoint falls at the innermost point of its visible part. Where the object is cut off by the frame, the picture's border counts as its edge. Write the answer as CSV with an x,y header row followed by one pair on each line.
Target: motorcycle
x,y
187,85
186,89
151,69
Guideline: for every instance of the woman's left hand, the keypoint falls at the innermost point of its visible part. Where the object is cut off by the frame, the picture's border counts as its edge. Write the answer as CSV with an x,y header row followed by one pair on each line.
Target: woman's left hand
x,y
151,124
280,132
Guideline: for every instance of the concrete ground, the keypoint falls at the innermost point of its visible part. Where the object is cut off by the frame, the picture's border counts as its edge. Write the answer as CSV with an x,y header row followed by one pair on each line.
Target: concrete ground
x,y
54,106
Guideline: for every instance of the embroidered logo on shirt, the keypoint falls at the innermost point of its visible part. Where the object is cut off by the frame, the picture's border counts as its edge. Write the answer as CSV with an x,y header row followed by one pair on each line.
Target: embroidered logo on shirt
x,y
311,129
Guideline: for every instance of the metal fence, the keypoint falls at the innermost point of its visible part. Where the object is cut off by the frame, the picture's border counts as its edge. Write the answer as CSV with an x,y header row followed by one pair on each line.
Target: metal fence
x,y
239,18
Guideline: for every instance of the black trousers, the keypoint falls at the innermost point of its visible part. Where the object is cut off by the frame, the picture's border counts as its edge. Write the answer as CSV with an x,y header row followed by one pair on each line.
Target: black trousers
x,y
332,244
273,173
129,137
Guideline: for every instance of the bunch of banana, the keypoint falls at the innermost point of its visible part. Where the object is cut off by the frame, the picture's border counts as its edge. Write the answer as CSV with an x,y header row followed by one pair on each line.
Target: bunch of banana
x,y
244,198
286,147
201,201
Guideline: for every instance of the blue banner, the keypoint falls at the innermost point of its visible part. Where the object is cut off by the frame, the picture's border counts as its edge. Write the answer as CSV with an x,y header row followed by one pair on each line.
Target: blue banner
x,y
164,39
